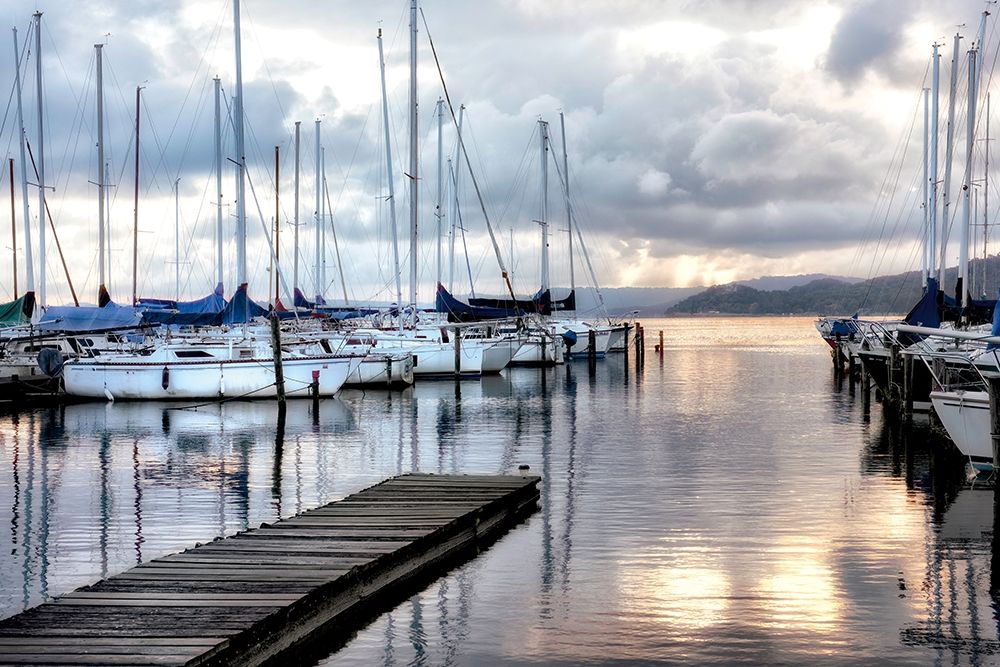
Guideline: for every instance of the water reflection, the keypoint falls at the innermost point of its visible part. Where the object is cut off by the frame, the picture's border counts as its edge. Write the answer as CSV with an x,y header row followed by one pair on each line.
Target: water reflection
x,y
726,503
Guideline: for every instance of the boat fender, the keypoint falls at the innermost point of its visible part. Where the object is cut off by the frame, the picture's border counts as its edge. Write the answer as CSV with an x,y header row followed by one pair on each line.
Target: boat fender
x,y
51,362
165,378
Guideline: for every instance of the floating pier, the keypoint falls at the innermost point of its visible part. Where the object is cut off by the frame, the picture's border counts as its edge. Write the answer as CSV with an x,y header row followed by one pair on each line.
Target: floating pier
x,y
271,592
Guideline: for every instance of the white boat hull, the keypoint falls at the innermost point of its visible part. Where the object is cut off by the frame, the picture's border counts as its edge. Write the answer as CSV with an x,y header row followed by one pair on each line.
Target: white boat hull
x,y
245,378
966,417
383,369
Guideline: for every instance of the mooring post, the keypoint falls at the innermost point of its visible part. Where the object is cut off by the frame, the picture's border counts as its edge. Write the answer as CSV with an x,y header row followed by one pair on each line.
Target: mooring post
x,y
279,375
661,342
592,350
837,368
893,370
314,391
458,354
866,390
994,389
850,372
908,386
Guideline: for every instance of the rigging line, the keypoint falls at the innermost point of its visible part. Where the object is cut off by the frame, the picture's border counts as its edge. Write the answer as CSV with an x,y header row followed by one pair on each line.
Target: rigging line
x,y
876,204
267,68
461,143
891,198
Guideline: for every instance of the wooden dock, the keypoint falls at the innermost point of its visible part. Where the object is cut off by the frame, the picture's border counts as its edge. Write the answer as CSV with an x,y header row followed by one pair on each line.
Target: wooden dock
x,y
270,592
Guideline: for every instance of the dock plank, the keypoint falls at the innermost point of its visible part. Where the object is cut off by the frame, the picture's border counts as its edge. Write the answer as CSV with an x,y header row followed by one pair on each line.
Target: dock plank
x,y
270,593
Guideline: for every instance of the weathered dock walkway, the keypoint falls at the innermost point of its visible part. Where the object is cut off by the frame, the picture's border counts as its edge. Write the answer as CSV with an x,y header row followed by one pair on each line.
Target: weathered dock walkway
x,y
271,591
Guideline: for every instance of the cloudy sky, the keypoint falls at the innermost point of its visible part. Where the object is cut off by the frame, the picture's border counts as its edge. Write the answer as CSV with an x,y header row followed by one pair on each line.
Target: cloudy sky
x,y
708,140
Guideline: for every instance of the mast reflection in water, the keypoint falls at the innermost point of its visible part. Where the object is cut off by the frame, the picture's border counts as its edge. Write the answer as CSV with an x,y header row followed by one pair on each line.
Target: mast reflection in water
x,y
728,503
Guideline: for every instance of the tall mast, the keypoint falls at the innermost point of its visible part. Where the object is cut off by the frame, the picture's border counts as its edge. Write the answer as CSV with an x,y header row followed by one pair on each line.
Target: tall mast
x,y
218,181
241,160
177,239
319,223
986,190
135,209
948,154
295,219
569,211
41,161
414,185
389,180
927,232
933,178
961,287
543,220
336,246
440,185
13,227
107,224
29,269
277,226
322,220
98,50
455,179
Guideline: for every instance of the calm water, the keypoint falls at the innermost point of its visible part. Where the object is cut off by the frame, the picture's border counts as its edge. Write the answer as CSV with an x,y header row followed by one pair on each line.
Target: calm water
x,y
728,504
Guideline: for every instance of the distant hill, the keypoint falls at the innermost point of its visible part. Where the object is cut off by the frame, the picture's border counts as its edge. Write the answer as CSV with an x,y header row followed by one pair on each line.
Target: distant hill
x,y
788,282
826,296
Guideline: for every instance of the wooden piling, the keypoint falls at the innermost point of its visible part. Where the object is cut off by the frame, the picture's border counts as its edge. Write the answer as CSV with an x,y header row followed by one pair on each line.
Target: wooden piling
x,y
993,383
458,353
908,387
866,390
850,373
277,593
660,348
279,374
592,350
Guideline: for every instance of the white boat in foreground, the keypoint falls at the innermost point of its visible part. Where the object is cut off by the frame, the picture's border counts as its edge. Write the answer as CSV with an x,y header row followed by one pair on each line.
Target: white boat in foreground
x,y
210,369
966,417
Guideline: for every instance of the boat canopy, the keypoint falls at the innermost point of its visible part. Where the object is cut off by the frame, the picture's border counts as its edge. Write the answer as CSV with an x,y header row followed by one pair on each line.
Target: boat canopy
x,y
200,312
490,309
241,308
77,319
17,311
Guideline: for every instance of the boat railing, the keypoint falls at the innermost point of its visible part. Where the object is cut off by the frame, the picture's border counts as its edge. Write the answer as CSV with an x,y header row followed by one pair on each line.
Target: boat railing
x,y
970,375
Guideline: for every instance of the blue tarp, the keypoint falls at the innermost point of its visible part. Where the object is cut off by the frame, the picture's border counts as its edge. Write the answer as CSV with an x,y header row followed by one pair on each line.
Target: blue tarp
x,y
241,308
490,309
996,323
89,318
926,313
200,312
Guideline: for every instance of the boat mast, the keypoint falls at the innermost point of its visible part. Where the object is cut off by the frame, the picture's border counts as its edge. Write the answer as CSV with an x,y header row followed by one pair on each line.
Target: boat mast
x,y
218,180
961,287
135,208
241,160
319,223
177,239
439,111
543,220
98,51
569,212
29,269
986,191
932,182
948,154
295,226
322,219
389,180
41,161
413,175
13,227
277,226
924,269
453,216
107,223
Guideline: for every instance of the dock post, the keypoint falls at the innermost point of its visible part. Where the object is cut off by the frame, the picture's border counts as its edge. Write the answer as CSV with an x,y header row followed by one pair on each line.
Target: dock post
x,y
314,392
660,348
458,354
279,374
994,389
592,351
638,341
893,371
866,391
837,368
908,387
851,369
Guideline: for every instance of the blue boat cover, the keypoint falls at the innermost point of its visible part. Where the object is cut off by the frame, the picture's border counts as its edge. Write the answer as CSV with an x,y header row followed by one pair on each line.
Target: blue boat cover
x,y
926,313
241,308
490,309
200,312
996,323
78,319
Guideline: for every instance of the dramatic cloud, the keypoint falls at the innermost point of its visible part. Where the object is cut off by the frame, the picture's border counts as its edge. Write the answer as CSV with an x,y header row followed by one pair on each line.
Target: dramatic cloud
x,y
707,139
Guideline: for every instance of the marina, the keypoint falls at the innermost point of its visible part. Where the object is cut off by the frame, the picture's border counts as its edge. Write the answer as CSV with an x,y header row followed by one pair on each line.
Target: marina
x,y
784,521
